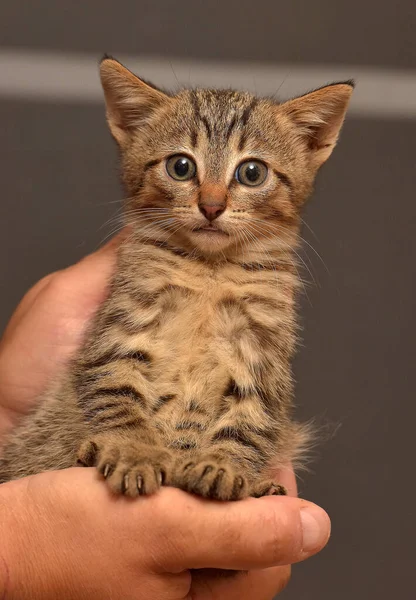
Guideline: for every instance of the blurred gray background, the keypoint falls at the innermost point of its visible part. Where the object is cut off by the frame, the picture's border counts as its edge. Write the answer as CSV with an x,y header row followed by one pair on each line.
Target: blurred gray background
x,y
356,364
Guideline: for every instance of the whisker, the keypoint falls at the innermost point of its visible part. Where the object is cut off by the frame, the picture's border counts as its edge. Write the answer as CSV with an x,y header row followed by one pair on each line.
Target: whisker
x,y
291,261
282,228
310,229
106,203
271,229
290,248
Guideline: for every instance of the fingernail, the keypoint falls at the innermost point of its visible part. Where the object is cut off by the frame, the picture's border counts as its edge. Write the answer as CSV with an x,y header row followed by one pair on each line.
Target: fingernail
x,y
316,528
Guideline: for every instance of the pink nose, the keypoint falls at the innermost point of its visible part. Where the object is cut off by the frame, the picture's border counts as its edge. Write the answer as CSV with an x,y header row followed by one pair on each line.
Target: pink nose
x,y
211,211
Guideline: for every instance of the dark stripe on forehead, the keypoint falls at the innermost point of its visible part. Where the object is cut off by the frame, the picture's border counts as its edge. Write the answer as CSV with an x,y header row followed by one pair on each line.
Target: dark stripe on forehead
x,y
194,124
194,135
231,127
242,142
247,111
244,120
199,117
195,105
204,120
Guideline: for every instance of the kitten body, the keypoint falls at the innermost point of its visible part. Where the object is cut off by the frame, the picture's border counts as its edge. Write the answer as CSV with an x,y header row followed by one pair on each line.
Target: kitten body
x,y
185,375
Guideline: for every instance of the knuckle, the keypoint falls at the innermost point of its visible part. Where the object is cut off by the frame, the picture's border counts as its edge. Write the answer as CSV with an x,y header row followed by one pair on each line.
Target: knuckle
x,y
169,533
39,286
46,279
233,532
282,543
56,284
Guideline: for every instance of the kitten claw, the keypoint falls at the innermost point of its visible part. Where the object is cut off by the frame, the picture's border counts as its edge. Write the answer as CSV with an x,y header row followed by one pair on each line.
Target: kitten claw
x,y
125,484
139,484
131,468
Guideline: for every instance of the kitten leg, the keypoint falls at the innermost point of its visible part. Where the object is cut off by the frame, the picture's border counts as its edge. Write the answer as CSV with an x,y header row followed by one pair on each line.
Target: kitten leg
x,y
119,440
114,402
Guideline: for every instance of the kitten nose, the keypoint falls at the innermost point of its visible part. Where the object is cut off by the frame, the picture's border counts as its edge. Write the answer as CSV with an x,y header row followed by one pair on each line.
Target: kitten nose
x,y
211,211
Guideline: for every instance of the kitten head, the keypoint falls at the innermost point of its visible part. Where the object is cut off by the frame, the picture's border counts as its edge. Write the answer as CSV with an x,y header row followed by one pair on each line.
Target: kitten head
x,y
219,171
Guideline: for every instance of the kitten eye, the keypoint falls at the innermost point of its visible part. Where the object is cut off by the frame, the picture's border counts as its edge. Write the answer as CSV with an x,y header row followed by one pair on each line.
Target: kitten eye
x,y
180,167
251,172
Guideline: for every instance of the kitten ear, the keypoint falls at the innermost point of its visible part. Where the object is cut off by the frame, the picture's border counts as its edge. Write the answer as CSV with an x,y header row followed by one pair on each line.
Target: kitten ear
x,y
320,115
129,100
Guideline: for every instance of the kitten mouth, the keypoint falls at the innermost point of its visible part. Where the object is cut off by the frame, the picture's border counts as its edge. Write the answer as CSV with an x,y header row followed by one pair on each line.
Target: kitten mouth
x,y
210,228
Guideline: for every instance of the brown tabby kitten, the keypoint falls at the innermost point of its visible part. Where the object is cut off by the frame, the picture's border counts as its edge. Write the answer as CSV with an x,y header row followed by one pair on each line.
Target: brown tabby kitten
x,y
184,378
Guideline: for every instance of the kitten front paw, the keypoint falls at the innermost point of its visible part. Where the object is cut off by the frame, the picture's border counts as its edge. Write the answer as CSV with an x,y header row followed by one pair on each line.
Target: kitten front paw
x,y
210,477
267,488
130,468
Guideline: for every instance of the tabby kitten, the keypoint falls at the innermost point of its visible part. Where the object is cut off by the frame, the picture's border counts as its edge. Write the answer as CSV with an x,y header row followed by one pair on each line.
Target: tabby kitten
x,y
184,378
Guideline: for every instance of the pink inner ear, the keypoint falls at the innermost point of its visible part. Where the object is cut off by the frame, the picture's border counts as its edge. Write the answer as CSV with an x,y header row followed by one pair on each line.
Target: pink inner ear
x,y
321,114
129,100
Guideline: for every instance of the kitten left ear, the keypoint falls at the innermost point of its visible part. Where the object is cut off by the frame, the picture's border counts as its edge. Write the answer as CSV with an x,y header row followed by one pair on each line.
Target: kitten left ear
x,y
129,100
320,115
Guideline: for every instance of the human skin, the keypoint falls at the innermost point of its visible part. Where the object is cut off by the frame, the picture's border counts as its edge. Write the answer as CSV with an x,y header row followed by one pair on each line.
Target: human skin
x,y
65,535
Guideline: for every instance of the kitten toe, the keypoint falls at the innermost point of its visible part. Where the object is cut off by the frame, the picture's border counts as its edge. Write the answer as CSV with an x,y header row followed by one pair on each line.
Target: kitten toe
x,y
130,468
87,454
107,470
268,488
210,478
133,481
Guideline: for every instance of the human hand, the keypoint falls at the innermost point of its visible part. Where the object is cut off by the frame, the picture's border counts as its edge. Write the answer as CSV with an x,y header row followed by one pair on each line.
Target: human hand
x,y
64,535
44,332
47,328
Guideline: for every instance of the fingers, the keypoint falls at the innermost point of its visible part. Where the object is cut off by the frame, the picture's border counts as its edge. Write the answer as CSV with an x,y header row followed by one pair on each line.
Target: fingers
x,y
261,584
48,326
173,532
98,263
27,302
86,281
244,535
83,286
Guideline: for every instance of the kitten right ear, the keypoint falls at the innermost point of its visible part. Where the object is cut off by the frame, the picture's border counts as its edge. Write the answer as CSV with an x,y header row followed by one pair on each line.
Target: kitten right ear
x,y
129,100
319,116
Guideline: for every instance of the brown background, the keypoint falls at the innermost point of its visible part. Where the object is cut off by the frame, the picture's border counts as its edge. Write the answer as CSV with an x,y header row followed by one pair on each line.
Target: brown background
x,y
355,368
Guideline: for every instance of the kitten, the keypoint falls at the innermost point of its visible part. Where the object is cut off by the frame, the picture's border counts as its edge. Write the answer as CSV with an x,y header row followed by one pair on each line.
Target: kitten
x,y
184,378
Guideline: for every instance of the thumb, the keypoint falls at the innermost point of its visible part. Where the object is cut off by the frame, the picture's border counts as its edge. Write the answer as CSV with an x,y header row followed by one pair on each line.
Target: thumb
x,y
244,535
